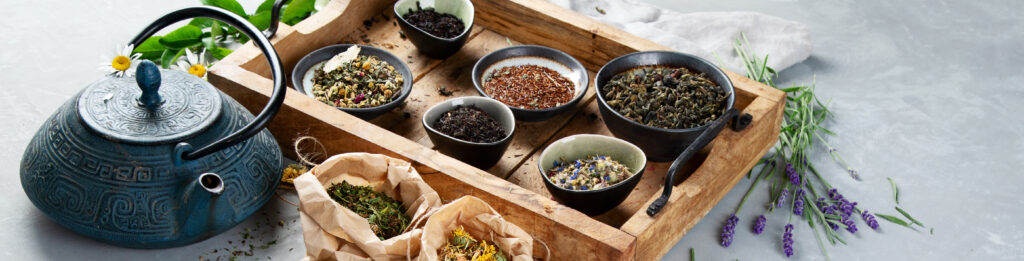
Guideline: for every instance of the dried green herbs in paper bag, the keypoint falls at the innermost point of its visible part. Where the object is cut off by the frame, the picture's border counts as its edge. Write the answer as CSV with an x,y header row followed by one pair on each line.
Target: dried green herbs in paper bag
x,y
386,215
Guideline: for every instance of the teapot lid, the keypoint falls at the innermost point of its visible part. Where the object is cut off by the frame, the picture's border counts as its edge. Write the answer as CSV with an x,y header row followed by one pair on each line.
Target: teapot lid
x,y
141,110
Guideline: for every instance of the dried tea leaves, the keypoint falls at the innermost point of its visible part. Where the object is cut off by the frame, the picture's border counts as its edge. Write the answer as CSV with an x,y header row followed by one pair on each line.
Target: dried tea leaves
x,y
529,87
664,97
356,82
463,247
434,23
469,123
591,173
386,215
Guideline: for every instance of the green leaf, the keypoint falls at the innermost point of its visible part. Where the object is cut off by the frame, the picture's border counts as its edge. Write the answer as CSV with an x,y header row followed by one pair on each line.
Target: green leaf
x,y
893,219
219,52
185,36
202,22
905,214
267,5
693,256
167,58
151,49
895,191
296,11
217,30
261,20
230,5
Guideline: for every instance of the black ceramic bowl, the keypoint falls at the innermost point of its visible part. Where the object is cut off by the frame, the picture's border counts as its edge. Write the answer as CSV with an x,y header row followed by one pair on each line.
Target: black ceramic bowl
x,y
593,202
480,155
660,144
428,44
553,59
302,76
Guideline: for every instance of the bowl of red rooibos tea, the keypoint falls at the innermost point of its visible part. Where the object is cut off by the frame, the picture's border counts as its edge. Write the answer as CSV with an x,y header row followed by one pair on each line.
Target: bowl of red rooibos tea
x,y
535,82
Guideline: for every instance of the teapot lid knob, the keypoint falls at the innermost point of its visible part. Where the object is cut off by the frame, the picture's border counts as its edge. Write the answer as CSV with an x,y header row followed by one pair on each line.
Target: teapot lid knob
x,y
148,79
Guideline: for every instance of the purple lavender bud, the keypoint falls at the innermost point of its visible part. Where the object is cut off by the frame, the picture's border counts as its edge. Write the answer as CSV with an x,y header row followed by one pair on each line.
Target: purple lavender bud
x,y
787,241
850,226
782,198
791,173
798,202
834,195
847,208
729,229
759,225
821,204
869,219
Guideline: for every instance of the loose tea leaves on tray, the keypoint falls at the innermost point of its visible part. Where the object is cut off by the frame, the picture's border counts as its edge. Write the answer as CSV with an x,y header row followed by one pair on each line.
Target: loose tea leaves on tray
x,y
665,97
386,215
469,123
360,82
434,23
591,173
463,247
529,87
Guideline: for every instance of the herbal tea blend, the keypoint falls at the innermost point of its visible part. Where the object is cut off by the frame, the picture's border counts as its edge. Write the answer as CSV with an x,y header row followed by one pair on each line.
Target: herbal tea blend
x,y
434,23
386,215
591,173
469,123
665,97
529,87
463,247
356,81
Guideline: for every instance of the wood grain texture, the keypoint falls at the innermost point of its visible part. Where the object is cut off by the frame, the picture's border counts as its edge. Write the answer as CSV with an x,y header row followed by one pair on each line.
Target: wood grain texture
x,y
625,233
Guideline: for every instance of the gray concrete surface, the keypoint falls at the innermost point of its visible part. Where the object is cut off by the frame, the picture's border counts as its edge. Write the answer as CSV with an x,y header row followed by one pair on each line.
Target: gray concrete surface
x,y
924,92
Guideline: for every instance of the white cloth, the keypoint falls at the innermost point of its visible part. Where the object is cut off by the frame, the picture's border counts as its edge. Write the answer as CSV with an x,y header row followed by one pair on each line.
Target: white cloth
x,y
709,35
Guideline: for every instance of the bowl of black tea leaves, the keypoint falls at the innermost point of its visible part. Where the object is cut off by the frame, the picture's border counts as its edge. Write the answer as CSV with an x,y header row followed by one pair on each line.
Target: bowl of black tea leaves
x,y
475,130
661,101
438,30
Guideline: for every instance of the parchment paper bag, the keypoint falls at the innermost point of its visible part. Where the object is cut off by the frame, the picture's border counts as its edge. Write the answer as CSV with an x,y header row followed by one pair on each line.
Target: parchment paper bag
x,y
480,221
333,232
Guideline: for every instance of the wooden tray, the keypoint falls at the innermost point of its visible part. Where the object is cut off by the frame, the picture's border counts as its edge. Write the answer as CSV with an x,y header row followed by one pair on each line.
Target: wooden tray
x,y
513,187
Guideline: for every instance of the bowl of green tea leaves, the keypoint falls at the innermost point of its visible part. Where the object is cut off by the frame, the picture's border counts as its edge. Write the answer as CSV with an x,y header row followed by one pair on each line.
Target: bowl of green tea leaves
x,y
386,215
660,100
364,81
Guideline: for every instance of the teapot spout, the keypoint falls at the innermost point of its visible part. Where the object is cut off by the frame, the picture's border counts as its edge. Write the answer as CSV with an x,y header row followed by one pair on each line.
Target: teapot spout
x,y
211,182
200,202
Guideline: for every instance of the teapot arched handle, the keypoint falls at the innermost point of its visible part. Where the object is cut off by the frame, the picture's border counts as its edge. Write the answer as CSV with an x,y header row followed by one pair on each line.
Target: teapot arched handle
x,y
184,150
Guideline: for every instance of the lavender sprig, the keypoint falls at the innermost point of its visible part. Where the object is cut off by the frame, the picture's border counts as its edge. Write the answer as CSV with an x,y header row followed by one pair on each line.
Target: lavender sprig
x,y
782,198
793,176
760,224
787,241
729,229
869,219
798,203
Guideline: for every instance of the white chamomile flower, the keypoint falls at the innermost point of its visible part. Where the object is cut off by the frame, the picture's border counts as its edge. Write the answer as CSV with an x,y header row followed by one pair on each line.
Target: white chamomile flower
x,y
194,64
124,62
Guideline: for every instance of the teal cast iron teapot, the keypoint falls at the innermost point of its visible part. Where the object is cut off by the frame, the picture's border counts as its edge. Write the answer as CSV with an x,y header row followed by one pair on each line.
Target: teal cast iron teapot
x,y
161,159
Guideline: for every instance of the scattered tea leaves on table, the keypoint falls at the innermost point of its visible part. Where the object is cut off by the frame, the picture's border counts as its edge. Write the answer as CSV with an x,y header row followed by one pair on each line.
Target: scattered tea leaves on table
x,y
437,24
893,219
529,87
469,123
665,97
386,215
462,246
292,171
599,10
